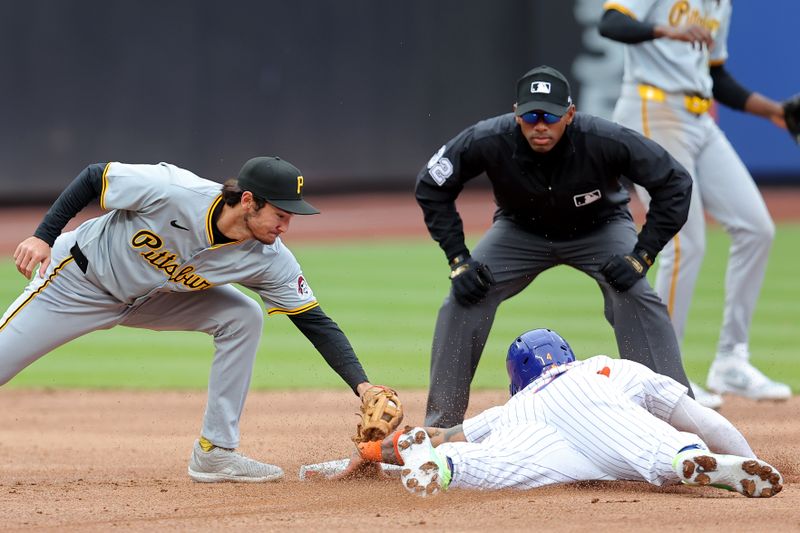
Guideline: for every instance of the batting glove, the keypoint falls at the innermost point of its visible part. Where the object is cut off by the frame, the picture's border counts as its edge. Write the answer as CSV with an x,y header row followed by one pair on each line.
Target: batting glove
x,y
623,271
471,279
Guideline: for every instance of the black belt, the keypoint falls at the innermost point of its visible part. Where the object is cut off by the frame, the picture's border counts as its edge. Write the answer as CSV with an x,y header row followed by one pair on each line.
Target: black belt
x,y
80,259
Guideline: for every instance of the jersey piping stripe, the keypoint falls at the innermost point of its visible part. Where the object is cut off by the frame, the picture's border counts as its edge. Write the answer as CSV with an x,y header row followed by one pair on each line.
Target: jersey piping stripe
x,y
104,187
645,122
676,240
36,292
716,62
209,221
673,279
297,311
622,9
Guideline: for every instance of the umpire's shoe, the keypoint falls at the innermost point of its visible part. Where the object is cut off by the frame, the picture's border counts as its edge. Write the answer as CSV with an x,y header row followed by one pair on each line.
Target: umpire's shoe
x,y
425,471
221,464
752,477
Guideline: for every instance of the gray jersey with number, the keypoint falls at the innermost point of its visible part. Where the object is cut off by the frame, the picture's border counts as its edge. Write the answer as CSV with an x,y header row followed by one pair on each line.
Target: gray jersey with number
x,y
676,66
158,238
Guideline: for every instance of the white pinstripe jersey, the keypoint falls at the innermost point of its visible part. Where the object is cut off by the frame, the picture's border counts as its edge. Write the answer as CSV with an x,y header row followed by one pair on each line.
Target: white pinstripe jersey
x,y
675,66
158,237
656,393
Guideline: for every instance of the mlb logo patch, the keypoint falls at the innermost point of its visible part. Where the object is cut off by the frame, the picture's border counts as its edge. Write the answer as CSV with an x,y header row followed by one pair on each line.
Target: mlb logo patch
x,y
587,198
540,87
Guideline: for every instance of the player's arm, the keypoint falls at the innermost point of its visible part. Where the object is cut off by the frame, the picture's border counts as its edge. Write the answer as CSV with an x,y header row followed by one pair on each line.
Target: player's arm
x,y
386,451
438,185
731,93
619,24
333,345
85,188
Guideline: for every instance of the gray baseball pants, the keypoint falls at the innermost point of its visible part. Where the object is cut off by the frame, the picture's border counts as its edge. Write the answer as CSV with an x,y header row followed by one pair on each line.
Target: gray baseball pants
x,y
65,305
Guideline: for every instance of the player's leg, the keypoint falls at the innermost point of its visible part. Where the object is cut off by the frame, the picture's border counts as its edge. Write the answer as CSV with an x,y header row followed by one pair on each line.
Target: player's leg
x,y
235,322
52,311
520,457
641,324
614,433
515,257
677,131
733,199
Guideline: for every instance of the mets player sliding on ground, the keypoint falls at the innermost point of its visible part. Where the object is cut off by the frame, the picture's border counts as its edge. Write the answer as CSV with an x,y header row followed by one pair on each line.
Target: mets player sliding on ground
x,y
674,65
568,420
163,258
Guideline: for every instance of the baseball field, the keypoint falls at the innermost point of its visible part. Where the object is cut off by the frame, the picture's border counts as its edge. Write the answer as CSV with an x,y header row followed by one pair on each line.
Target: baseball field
x,y
96,435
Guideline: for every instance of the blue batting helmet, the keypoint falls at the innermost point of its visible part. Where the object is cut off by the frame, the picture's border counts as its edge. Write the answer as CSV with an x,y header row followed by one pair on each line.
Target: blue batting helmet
x,y
532,353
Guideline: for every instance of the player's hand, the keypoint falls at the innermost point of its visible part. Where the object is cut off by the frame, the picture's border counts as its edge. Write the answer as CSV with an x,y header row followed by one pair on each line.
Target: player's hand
x,y
31,252
471,279
693,33
623,271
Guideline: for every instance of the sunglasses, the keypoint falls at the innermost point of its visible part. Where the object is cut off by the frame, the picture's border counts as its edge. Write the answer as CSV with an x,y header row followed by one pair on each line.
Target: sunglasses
x,y
534,116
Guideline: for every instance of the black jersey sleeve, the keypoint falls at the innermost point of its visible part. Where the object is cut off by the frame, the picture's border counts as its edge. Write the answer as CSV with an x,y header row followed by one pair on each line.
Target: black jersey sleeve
x,y
438,185
667,182
727,90
618,26
86,187
331,342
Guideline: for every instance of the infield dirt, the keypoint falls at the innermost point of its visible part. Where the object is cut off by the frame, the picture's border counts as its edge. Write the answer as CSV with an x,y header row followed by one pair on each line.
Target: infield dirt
x,y
76,460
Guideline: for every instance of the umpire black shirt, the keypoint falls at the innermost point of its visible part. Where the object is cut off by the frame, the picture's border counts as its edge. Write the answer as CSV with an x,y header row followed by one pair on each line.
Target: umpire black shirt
x,y
562,194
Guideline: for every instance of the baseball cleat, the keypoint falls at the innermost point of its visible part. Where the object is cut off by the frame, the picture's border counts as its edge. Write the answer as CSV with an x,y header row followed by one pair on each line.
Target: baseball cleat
x,y
752,477
425,471
734,375
221,464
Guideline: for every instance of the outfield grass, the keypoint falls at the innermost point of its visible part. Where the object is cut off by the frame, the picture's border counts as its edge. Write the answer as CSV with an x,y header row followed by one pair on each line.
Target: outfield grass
x,y
386,296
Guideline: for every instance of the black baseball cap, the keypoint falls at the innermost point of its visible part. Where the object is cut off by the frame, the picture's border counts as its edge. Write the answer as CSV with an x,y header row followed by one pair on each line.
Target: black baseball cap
x,y
276,181
543,88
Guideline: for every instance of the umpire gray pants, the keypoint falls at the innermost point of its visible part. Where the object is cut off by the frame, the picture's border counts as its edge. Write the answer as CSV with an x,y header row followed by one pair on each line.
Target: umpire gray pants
x,y
641,324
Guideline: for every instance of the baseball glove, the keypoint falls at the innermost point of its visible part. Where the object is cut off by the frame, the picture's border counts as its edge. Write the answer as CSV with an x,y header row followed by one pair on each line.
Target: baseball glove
x,y
791,113
381,413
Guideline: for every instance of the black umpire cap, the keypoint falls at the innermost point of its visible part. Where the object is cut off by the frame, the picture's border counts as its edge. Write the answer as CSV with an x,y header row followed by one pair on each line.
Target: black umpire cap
x,y
543,88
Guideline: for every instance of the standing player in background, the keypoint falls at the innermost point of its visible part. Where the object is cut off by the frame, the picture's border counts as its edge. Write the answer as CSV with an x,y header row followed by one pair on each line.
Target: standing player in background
x,y
556,175
163,258
673,67
568,421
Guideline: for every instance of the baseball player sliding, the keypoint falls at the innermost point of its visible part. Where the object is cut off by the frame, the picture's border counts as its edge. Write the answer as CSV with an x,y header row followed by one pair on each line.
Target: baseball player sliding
x,y
674,56
568,420
163,258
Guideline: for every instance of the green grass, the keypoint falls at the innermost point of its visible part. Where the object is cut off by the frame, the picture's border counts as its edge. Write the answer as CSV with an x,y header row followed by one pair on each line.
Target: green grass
x,y
386,296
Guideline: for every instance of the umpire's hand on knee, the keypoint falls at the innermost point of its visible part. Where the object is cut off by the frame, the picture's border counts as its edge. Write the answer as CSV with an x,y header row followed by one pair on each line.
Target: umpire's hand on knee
x,y
471,279
623,271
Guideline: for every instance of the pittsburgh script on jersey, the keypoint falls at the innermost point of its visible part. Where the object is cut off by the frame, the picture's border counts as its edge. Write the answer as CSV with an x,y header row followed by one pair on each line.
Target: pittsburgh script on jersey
x,y
165,260
682,14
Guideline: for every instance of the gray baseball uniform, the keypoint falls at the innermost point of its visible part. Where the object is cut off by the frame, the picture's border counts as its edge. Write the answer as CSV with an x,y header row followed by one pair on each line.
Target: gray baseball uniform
x,y
666,95
155,261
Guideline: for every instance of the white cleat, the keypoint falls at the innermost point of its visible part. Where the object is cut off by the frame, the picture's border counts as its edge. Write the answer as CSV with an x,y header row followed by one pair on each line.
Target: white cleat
x,y
226,465
752,477
733,375
425,472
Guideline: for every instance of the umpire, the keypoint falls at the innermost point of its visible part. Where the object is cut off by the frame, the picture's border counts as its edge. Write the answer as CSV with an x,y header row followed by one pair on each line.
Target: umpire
x,y
556,177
